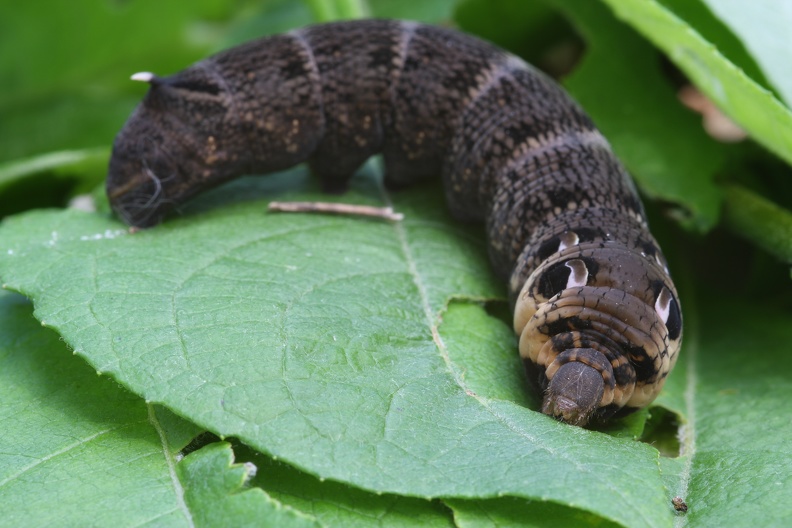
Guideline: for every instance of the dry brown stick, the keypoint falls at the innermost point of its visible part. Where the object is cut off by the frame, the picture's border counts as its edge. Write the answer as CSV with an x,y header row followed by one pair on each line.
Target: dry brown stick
x,y
386,213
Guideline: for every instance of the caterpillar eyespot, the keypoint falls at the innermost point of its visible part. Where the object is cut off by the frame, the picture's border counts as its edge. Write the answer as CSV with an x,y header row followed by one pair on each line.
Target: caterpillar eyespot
x,y
663,305
567,240
596,311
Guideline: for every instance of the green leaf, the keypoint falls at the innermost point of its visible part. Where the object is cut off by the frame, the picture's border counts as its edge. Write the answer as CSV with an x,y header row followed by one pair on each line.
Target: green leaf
x,y
533,30
330,10
63,122
317,340
435,12
467,330
79,163
760,221
215,493
76,450
763,25
766,119
98,33
266,18
698,14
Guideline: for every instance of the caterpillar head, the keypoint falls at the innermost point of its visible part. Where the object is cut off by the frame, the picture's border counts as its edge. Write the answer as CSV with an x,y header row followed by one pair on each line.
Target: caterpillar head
x,y
172,146
574,393
600,326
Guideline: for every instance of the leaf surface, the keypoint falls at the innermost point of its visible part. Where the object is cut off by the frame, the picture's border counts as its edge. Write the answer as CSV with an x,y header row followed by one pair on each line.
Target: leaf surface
x,y
76,449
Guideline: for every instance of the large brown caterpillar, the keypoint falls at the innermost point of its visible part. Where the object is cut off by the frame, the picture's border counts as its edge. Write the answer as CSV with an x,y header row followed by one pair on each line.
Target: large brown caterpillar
x,y
595,309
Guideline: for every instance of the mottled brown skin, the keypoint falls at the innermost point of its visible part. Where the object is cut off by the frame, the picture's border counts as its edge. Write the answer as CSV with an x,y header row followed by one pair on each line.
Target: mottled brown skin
x,y
596,311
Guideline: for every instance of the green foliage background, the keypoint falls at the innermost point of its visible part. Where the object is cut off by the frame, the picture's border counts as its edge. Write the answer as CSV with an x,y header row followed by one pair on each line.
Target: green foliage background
x,y
364,373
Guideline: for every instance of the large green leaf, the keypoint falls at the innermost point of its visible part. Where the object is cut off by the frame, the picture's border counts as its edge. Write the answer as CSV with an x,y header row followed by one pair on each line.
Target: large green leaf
x,y
698,14
318,340
760,221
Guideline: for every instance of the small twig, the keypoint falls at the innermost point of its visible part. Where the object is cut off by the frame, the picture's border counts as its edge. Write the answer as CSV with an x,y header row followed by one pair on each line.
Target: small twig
x,y
385,213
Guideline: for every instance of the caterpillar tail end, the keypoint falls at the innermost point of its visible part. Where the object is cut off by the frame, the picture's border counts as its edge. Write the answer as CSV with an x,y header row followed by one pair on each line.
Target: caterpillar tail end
x,y
574,393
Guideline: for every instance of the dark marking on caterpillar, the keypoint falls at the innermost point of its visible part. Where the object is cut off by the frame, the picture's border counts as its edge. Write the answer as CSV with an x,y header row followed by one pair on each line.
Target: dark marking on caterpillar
x,y
596,311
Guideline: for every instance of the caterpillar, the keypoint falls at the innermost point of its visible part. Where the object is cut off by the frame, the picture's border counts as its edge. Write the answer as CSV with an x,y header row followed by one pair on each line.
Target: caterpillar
x,y
596,312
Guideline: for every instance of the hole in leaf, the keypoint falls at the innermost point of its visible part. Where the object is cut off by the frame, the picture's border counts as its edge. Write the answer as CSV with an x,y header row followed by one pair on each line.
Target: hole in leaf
x,y
499,310
662,432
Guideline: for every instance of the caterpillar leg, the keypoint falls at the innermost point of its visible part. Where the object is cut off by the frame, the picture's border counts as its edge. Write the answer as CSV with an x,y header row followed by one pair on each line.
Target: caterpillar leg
x,y
334,171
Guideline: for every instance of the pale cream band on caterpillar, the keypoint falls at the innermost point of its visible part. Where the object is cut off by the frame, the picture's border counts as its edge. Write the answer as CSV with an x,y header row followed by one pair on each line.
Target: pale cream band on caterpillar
x,y
596,311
